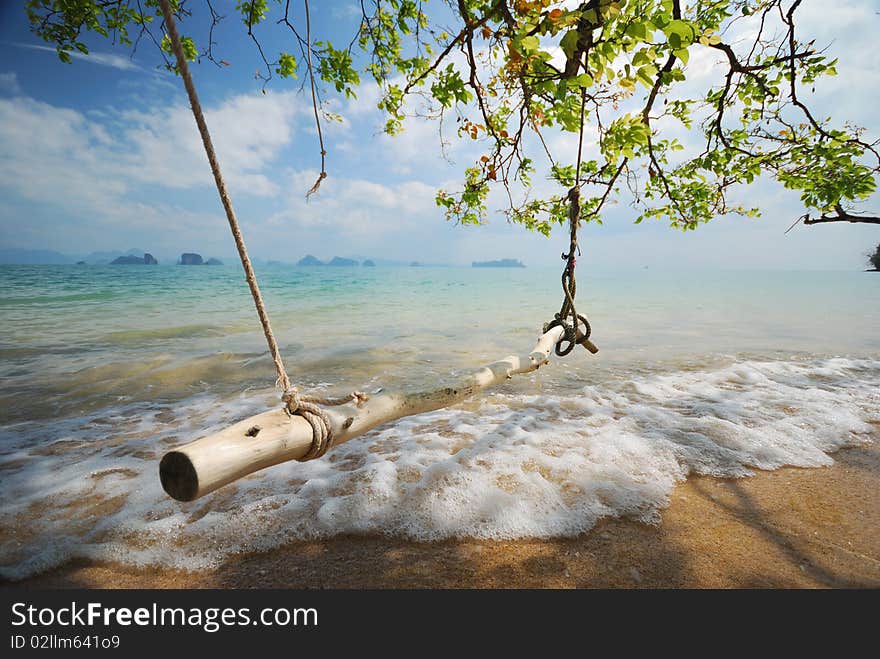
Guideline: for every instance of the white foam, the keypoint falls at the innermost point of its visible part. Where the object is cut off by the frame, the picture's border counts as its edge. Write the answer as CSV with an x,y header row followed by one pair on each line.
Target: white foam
x,y
516,466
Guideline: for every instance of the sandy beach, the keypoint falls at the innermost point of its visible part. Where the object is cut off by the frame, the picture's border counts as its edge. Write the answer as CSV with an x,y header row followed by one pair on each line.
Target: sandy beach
x,y
810,528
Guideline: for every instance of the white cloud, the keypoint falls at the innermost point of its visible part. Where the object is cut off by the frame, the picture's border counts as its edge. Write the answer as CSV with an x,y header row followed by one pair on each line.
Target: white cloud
x,y
53,153
58,151
248,131
355,207
418,149
101,59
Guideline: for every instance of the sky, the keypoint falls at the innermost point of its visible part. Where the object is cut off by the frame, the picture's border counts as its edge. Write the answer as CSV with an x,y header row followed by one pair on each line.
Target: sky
x,y
103,154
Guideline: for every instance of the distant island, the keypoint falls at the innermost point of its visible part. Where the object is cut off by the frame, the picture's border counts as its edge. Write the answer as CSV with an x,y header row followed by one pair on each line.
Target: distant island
x,y
338,260
309,260
188,258
191,258
335,261
368,264
503,263
130,259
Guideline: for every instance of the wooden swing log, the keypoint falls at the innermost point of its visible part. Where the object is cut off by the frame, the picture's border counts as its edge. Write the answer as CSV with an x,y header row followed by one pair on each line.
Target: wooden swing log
x,y
195,469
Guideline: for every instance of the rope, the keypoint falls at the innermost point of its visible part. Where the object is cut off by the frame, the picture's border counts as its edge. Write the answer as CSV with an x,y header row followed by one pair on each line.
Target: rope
x,y
568,317
307,407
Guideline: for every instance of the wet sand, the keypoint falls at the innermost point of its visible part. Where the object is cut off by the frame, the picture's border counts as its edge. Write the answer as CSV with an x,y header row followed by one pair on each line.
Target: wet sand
x,y
792,527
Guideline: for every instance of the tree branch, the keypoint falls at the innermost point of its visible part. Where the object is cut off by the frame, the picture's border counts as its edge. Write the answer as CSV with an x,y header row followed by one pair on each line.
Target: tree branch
x,y
842,216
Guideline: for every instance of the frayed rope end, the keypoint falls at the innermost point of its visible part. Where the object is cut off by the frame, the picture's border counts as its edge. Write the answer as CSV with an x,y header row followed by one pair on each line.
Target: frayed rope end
x,y
317,185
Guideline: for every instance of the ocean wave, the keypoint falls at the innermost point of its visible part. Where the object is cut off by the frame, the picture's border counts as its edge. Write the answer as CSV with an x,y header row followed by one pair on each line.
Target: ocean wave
x,y
142,336
509,465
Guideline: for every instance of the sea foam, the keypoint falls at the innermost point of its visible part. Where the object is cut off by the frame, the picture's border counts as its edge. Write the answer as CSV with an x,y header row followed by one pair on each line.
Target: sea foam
x,y
510,465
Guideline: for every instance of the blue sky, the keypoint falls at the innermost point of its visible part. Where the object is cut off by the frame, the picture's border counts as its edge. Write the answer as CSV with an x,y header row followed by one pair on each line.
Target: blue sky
x,y
103,154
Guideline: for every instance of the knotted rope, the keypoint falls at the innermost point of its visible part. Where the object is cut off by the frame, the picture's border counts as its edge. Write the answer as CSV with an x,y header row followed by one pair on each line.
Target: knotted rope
x,y
307,407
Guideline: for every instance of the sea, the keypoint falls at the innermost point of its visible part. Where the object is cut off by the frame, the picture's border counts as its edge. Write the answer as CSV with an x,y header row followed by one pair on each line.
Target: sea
x,y
105,368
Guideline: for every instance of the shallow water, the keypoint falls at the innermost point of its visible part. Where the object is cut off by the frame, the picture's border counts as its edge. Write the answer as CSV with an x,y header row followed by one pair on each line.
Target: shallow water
x,y
105,368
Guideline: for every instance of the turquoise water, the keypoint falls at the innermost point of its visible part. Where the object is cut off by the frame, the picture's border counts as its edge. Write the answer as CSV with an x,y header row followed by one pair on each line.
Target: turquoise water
x,y
105,368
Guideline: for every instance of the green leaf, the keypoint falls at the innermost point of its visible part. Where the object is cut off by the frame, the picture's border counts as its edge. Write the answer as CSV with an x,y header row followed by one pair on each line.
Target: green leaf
x,y
646,74
584,80
569,42
286,66
682,29
530,44
640,58
637,30
189,48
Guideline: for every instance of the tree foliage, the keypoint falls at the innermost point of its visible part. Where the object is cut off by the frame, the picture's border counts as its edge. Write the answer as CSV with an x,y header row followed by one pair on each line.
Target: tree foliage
x,y
514,76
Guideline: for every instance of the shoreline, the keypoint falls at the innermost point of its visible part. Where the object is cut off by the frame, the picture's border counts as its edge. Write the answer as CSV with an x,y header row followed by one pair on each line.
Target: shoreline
x,y
791,527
